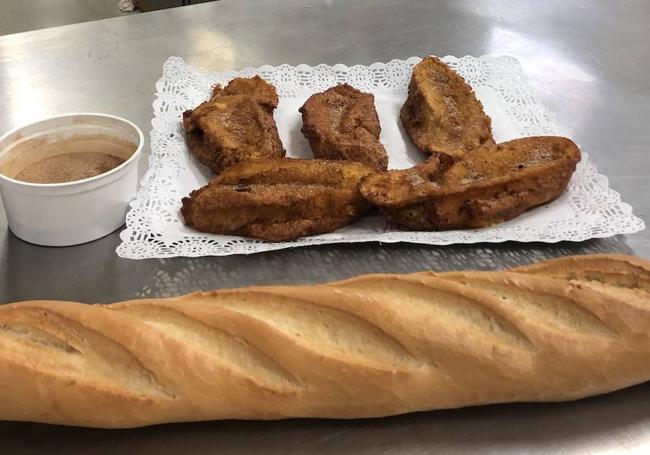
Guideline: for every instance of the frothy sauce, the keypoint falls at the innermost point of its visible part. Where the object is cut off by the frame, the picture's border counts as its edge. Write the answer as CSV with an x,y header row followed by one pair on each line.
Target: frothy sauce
x,y
69,167
47,159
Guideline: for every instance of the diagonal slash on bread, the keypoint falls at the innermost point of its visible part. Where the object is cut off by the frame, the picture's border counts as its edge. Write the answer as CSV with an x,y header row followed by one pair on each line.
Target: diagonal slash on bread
x,y
370,346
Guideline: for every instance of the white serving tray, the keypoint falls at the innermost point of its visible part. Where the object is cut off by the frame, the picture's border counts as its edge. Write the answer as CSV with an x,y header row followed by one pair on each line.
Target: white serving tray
x,y
154,227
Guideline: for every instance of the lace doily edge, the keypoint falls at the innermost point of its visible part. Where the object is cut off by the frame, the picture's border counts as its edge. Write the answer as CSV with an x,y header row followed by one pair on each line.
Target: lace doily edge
x,y
634,223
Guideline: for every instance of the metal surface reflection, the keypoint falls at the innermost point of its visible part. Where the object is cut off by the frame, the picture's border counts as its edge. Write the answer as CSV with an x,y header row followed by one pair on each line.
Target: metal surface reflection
x,y
210,44
26,100
613,423
181,276
541,55
90,272
589,61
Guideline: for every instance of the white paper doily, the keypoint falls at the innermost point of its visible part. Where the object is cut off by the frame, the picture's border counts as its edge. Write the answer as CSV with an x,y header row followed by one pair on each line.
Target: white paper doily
x,y
154,227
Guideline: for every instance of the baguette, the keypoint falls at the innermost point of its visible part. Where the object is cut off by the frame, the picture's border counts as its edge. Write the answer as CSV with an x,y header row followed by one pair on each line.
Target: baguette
x,y
370,346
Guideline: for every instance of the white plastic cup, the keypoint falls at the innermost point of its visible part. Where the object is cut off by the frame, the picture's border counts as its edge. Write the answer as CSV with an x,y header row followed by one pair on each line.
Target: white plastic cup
x,y
70,213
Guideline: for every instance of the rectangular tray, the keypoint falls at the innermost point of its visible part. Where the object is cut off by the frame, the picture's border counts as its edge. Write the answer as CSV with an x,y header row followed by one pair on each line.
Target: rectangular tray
x,y
154,227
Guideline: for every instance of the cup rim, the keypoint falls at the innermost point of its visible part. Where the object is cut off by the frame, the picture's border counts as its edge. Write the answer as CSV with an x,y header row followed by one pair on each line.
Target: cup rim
x,y
87,180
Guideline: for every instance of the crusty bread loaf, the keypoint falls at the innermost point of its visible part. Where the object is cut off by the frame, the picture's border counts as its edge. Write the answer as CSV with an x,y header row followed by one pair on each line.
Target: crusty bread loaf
x,y
370,346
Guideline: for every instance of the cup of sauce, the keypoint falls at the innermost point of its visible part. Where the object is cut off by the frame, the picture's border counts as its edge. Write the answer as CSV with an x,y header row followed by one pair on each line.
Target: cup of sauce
x,y
69,179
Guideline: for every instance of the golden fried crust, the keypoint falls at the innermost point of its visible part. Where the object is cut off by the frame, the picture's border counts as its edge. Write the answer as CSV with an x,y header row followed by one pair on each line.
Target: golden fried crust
x,y
441,114
341,123
488,185
404,187
234,127
263,92
279,200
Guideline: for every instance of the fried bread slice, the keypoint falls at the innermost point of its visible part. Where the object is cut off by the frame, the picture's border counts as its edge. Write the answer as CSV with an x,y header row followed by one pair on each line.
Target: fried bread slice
x,y
235,125
489,185
279,200
341,123
442,115
262,92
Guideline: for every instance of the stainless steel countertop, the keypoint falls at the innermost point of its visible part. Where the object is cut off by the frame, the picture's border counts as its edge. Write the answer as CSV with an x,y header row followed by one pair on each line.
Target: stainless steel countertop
x,y
589,60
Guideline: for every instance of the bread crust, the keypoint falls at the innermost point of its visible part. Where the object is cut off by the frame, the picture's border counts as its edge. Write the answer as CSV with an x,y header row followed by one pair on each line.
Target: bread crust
x,y
235,125
341,123
488,185
442,115
279,200
370,346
